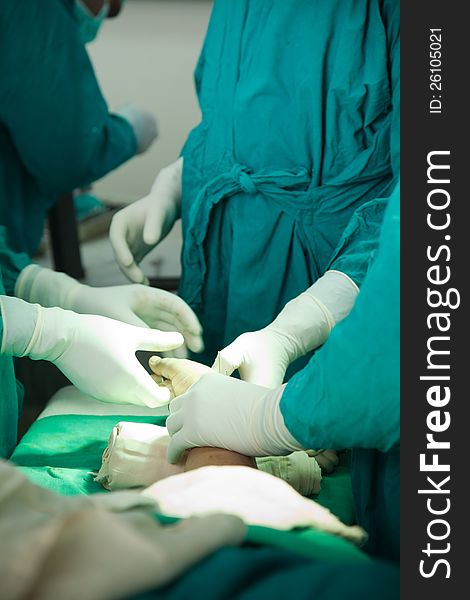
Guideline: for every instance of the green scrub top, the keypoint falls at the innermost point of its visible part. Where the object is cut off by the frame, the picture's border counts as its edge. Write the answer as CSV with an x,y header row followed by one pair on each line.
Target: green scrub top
x,y
298,131
348,396
56,133
11,391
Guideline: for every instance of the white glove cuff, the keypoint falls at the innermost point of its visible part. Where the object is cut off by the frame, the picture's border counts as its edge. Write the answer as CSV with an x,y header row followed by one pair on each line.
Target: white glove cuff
x,y
306,321
272,425
46,287
52,334
19,321
166,190
168,182
337,292
303,325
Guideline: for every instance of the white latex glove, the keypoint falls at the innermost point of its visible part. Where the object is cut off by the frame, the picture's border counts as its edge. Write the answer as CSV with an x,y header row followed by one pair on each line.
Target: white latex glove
x,y
134,304
222,412
305,323
143,124
97,354
181,374
139,227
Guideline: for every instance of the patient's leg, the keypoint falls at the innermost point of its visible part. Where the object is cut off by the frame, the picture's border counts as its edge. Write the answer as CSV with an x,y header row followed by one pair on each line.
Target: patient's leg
x,y
136,457
203,457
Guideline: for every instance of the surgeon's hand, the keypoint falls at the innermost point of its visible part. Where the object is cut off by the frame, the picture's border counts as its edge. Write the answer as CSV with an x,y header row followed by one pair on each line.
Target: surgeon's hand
x,y
142,306
97,354
261,357
304,324
139,227
222,412
178,374
134,304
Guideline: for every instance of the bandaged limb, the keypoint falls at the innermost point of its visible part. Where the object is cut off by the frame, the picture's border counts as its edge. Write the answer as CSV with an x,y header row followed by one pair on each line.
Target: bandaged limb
x,y
136,457
136,452
256,497
95,547
298,469
180,375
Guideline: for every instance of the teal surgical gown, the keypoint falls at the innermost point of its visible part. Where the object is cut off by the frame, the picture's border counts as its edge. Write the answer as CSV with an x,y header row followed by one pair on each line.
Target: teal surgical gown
x,y
298,132
348,396
265,573
56,132
11,391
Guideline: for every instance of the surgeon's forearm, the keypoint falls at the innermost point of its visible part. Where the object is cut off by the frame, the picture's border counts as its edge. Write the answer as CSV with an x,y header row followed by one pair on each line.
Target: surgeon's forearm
x,y
203,457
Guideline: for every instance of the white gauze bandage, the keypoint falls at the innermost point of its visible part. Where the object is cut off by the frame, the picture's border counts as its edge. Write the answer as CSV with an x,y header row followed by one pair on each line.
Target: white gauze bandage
x,y
298,469
135,457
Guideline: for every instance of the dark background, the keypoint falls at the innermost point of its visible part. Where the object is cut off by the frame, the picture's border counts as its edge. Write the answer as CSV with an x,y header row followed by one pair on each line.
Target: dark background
x,y
420,134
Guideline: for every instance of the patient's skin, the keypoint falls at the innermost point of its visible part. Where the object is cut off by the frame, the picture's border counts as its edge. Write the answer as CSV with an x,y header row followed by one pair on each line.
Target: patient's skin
x,y
203,457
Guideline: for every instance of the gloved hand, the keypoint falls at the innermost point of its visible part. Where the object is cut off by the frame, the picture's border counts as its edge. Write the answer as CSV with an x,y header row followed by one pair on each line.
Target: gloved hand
x,y
134,304
223,412
181,373
305,323
143,124
97,354
139,227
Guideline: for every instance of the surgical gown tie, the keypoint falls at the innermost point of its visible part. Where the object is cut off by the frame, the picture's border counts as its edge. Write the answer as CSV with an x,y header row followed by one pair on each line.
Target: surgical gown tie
x,y
238,178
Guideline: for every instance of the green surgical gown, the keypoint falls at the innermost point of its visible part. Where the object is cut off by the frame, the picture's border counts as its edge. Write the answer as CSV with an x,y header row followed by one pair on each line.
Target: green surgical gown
x,y
11,391
272,574
56,132
297,133
348,396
